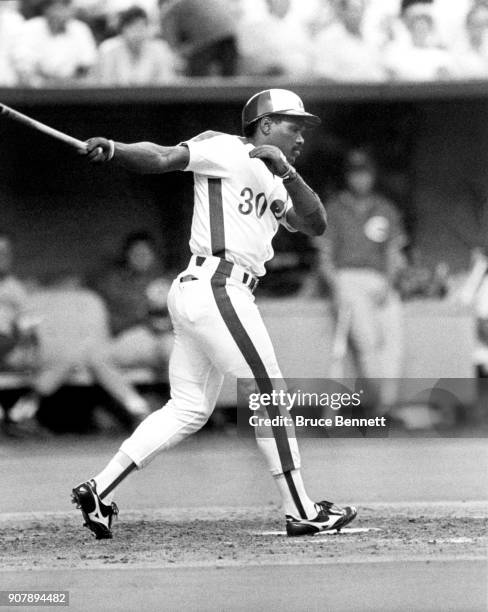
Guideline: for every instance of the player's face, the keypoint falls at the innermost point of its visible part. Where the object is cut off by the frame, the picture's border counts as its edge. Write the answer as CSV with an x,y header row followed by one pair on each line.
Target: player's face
x,y
136,33
58,14
360,181
278,8
420,28
288,135
352,14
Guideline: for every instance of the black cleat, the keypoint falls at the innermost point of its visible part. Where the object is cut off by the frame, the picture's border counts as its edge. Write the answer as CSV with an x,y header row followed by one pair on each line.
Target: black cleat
x,y
330,517
98,516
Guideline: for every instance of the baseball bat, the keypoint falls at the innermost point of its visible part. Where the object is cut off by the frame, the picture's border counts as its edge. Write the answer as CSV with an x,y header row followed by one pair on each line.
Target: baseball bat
x,y
10,113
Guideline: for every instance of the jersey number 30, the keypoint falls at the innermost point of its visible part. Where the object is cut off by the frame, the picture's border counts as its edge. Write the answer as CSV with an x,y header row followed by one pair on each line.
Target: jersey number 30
x,y
258,203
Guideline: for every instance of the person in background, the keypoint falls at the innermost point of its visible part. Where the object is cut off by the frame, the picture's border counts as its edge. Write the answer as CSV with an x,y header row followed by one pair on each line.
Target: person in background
x,y
19,355
471,52
103,15
417,56
30,8
18,340
204,33
274,42
54,48
359,257
74,349
15,327
134,57
381,22
450,19
340,51
135,290
11,22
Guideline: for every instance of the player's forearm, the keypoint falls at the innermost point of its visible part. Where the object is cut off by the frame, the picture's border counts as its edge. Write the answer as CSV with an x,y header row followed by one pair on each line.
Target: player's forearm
x,y
310,215
144,157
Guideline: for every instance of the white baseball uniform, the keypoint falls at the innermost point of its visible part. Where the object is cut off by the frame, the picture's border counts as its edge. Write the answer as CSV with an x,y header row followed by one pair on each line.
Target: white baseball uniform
x,y
239,205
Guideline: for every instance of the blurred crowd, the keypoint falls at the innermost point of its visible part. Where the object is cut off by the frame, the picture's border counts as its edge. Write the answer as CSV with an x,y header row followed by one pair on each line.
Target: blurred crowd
x,y
152,42
104,336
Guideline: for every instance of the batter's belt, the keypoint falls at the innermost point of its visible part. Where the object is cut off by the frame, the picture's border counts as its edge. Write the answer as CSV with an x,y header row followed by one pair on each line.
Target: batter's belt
x,y
227,268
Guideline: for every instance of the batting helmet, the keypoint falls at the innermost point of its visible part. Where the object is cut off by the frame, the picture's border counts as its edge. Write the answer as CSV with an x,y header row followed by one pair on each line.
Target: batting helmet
x,y
275,102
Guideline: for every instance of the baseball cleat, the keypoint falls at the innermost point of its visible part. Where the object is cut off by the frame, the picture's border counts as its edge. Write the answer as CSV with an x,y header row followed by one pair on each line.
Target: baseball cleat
x,y
328,518
98,516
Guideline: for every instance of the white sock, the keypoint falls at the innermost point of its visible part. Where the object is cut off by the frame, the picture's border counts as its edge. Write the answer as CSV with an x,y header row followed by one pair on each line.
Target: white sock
x,y
295,500
115,471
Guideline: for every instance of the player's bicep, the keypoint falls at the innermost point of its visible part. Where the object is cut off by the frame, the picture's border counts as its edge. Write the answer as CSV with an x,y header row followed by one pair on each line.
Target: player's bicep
x,y
178,158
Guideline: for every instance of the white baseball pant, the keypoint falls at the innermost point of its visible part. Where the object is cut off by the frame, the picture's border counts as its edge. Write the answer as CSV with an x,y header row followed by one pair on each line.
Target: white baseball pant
x,y
218,330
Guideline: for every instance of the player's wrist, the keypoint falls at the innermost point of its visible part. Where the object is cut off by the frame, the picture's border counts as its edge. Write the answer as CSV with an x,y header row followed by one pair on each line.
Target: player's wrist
x,y
289,175
282,166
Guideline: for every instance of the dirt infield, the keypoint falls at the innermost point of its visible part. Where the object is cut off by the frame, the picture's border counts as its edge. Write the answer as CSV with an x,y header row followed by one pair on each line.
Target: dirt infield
x,y
200,529
226,537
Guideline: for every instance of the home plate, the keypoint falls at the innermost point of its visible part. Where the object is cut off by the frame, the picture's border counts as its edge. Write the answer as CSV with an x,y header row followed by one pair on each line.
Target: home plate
x,y
345,531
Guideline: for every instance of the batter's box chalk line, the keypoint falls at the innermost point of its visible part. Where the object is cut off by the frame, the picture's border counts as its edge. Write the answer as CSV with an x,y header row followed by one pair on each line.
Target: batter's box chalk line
x,y
345,531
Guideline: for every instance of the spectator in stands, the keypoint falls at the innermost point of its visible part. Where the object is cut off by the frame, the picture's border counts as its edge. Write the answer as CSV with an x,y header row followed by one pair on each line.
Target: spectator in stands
x,y
381,22
471,54
30,8
103,16
100,18
134,57
18,339
417,57
450,19
54,49
204,33
73,338
74,348
11,22
274,43
359,257
340,51
135,291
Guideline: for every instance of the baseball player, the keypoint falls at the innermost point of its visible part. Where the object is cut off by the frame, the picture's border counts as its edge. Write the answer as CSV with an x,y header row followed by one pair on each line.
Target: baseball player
x,y
359,259
244,188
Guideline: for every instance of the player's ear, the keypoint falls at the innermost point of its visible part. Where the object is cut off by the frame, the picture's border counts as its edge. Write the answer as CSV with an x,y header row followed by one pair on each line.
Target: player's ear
x,y
265,125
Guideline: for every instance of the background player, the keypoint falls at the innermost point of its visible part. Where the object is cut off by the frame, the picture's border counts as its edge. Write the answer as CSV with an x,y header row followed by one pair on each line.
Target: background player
x,y
244,188
360,259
